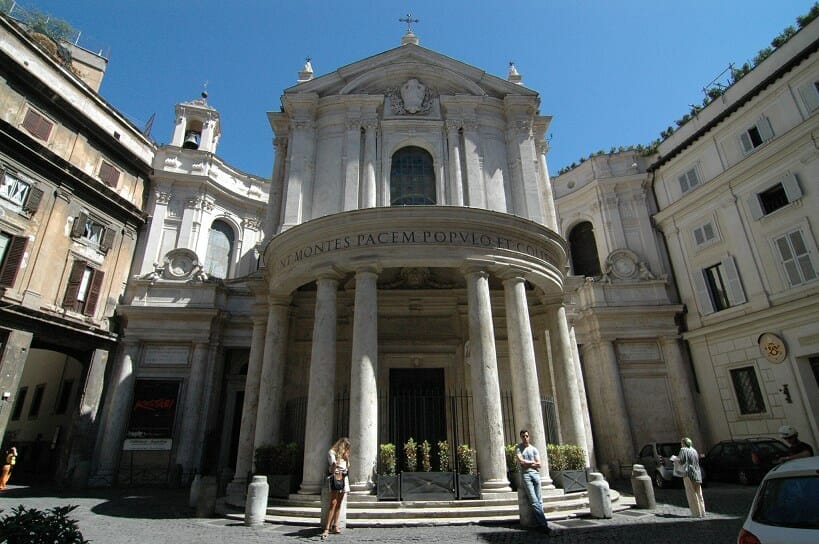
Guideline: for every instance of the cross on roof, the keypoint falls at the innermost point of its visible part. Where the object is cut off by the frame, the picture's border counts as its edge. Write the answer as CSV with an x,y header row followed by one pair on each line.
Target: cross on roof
x,y
409,20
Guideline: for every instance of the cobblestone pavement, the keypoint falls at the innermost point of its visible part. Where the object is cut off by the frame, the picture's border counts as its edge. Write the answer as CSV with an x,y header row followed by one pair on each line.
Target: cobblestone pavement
x,y
158,516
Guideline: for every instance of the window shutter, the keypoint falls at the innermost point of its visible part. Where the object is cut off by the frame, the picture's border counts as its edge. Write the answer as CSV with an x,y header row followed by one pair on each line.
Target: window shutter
x,y
765,130
810,95
37,125
745,140
755,206
93,293
108,238
699,236
33,199
792,189
78,228
683,184
701,293
73,287
736,295
11,264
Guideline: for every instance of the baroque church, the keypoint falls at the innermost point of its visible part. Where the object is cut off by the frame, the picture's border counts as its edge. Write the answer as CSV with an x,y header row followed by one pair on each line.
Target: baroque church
x,y
411,270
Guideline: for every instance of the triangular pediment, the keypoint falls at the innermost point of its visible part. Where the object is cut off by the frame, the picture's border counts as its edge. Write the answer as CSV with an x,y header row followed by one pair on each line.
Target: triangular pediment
x,y
390,69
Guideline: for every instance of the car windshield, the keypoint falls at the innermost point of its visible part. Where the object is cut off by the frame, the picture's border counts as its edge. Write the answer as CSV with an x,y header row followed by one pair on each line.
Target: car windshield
x,y
668,449
771,447
789,502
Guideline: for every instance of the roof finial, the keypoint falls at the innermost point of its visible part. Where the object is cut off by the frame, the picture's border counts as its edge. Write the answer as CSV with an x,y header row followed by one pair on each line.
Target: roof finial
x,y
409,20
205,90
409,36
306,73
513,74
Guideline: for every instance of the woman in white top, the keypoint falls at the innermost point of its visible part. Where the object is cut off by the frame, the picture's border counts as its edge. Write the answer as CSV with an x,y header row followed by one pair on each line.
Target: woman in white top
x,y
338,459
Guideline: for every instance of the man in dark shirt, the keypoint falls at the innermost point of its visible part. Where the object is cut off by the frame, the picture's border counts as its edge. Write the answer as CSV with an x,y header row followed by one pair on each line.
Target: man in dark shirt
x,y
796,449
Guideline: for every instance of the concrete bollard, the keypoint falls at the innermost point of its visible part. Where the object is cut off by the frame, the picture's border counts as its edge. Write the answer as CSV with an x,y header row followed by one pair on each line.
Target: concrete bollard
x,y
206,503
256,503
599,497
196,490
642,489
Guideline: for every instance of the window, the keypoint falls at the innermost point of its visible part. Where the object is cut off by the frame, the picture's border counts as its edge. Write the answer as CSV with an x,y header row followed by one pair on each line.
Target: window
x,y
810,95
36,401
756,135
775,197
83,289
18,403
93,232
37,125
412,178
583,250
109,174
220,250
19,192
689,180
12,251
718,287
65,396
704,234
796,258
746,387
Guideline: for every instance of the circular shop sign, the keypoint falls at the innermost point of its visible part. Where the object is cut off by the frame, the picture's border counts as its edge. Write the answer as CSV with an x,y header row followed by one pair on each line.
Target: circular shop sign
x,y
772,347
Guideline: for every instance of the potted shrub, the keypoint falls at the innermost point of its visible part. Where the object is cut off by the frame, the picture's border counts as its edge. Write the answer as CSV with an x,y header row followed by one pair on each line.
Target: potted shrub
x,y
281,465
444,460
387,484
469,483
424,485
512,467
567,466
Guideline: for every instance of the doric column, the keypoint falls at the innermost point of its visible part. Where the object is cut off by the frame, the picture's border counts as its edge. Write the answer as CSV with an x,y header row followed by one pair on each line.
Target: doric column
x,y
456,182
680,385
271,381
485,387
368,189
193,416
321,394
363,381
523,367
247,430
550,213
568,402
610,417
476,192
118,403
352,164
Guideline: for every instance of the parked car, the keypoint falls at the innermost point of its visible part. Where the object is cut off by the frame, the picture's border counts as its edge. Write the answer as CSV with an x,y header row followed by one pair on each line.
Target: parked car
x,y
743,460
786,506
655,457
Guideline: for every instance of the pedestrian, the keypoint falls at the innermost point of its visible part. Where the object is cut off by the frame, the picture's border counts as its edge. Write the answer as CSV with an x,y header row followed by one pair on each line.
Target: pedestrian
x,y
338,459
796,448
8,464
688,463
529,462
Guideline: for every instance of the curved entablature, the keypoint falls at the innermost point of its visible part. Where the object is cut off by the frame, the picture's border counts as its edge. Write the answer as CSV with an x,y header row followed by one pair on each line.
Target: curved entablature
x,y
428,236
381,78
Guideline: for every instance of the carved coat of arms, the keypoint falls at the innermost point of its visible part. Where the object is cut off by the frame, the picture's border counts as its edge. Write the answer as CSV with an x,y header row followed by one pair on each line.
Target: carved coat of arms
x,y
413,97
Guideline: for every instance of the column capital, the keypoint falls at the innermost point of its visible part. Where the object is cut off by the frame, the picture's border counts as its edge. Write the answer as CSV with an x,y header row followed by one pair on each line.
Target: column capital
x,y
370,268
274,299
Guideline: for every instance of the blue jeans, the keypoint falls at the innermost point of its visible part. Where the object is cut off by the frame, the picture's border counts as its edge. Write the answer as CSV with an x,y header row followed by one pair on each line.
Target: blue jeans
x,y
531,481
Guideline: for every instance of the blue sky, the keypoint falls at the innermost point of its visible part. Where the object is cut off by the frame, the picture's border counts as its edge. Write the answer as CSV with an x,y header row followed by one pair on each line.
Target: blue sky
x,y
610,73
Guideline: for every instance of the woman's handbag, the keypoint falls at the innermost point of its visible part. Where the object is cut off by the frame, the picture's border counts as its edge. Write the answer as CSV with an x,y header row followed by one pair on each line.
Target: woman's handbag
x,y
678,469
337,481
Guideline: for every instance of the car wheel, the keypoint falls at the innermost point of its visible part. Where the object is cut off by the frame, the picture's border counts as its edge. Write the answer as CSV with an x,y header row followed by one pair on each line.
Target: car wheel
x,y
744,478
659,481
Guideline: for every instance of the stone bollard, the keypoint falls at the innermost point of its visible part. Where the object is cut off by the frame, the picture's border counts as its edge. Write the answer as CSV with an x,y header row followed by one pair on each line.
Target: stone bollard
x,y
206,503
599,497
196,490
527,515
642,489
256,503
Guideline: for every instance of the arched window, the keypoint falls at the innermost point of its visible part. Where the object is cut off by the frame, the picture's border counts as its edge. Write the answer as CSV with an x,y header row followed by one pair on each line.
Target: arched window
x,y
412,178
220,250
583,250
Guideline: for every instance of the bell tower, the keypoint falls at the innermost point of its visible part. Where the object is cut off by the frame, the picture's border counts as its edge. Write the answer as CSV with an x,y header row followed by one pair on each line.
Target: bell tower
x,y
197,125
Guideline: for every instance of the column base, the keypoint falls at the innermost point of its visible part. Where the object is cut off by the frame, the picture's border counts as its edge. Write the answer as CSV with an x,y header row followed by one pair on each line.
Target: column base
x,y
496,486
236,492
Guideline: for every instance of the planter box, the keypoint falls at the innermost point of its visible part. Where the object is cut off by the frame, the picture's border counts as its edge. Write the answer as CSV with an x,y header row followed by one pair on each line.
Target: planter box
x,y
469,486
388,487
514,479
570,481
281,485
427,486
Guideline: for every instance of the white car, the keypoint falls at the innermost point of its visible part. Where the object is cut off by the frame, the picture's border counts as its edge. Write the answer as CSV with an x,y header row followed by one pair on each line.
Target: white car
x,y
786,506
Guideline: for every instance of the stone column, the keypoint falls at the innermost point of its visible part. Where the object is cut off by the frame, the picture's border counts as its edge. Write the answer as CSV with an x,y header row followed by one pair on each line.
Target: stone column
x,y
321,394
550,213
517,134
271,382
352,164
155,231
581,390
611,421
193,417
13,358
118,405
363,382
523,367
568,397
456,182
298,184
476,192
485,386
274,201
247,429
680,385
368,188
191,215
